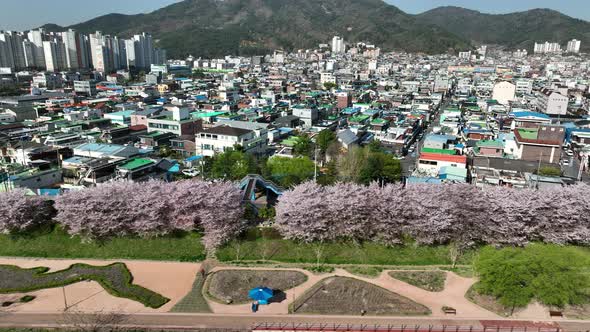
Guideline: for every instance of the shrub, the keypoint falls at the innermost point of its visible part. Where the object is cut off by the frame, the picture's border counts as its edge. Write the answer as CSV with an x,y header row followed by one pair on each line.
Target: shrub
x,y
551,274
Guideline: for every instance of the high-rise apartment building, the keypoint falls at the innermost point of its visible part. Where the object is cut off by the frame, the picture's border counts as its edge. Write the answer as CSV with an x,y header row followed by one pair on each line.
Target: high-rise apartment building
x,y
573,46
36,37
547,47
338,45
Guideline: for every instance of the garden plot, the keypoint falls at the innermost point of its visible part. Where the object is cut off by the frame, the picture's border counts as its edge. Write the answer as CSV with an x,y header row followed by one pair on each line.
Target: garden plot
x,y
233,285
348,296
432,281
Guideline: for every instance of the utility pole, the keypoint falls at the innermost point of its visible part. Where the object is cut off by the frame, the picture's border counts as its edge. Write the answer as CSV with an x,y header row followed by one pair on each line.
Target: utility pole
x,y
315,167
539,170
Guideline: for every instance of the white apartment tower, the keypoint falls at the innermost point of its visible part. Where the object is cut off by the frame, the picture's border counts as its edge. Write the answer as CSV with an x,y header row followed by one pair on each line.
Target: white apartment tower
x,y
573,46
55,55
12,53
36,37
77,49
338,45
99,52
547,47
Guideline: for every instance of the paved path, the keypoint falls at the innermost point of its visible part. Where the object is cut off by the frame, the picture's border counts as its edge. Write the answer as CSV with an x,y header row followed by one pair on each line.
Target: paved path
x,y
245,322
453,295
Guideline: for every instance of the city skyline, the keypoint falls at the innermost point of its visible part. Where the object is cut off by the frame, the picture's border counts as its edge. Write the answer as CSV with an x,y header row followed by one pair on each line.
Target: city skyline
x,y
66,12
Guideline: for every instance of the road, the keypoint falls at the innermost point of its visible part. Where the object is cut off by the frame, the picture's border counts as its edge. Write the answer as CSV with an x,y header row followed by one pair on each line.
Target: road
x,y
245,322
409,162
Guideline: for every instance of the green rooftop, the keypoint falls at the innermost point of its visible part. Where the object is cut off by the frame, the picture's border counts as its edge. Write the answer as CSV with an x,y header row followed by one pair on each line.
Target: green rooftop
x,y
489,144
359,118
199,115
134,164
528,133
291,141
379,121
439,151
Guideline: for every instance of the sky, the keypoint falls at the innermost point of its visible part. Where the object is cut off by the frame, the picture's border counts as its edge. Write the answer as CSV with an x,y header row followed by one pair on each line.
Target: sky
x,y
26,14
575,8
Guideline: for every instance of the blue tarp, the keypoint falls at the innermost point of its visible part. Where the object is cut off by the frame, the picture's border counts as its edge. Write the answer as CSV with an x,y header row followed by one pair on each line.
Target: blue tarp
x,y
261,294
193,158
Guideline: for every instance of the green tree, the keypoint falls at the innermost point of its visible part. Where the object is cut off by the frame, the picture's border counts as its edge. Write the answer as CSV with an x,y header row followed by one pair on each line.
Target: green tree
x,y
304,146
351,163
553,275
365,165
329,175
330,85
288,172
375,146
232,165
381,167
324,139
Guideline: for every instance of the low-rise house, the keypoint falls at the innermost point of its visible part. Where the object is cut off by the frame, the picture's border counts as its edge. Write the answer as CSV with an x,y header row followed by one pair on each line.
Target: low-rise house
x,y
543,143
221,138
431,163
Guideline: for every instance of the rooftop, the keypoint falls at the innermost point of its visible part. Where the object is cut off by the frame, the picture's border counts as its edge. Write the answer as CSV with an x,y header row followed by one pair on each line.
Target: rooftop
x,y
136,163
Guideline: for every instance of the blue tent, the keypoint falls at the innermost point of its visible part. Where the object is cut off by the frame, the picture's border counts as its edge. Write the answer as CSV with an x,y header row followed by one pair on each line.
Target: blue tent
x,y
261,294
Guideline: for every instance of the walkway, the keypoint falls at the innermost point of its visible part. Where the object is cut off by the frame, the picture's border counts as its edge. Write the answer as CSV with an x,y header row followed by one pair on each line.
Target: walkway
x,y
453,295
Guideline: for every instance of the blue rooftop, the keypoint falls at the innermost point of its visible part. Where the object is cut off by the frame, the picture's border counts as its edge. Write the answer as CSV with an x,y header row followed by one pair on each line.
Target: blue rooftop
x,y
194,158
529,114
126,113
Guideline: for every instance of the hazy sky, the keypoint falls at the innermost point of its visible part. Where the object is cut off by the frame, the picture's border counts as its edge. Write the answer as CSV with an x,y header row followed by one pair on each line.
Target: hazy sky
x,y
25,14
574,8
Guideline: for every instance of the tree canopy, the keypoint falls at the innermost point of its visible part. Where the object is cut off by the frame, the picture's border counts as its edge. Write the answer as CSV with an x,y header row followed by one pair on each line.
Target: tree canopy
x,y
232,165
324,139
288,172
551,274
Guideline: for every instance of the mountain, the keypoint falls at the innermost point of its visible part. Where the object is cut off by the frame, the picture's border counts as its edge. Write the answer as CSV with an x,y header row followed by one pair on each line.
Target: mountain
x,y
518,30
220,27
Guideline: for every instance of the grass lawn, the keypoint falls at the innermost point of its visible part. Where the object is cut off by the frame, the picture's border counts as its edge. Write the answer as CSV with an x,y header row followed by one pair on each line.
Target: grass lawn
x,y
234,285
463,271
365,271
368,253
58,244
348,296
432,281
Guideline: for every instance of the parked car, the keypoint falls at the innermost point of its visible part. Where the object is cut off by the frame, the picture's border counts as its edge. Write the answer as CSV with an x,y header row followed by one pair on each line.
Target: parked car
x,y
192,172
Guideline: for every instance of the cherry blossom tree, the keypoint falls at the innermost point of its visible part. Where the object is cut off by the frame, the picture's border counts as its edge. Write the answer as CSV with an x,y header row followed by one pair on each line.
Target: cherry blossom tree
x,y
457,214
153,208
20,213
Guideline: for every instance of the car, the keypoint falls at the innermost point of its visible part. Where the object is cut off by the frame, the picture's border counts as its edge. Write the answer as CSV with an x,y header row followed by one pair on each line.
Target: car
x,y
569,152
565,162
192,172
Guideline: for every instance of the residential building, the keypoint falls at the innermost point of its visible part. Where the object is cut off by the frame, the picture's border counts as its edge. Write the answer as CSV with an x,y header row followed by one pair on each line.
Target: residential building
x,y
179,123
573,46
221,138
338,45
539,144
504,92
552,102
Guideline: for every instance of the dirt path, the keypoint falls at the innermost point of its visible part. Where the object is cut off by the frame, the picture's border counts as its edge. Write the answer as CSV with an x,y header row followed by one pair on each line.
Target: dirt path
x,y
170,279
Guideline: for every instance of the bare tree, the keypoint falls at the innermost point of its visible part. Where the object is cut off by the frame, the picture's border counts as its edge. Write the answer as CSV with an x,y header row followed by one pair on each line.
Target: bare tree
x,y
99,321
